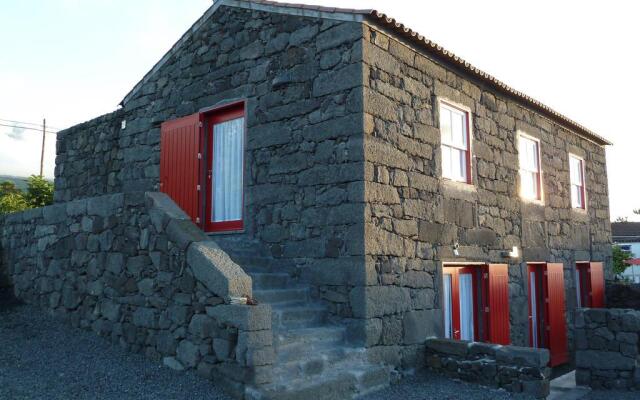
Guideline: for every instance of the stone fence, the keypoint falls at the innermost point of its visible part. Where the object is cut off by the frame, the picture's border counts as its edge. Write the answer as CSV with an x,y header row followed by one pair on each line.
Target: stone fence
x,y
607,348
623,295
133,268
516,369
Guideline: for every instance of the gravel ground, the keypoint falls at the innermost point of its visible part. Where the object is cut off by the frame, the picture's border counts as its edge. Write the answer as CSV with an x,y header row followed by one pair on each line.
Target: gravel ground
x,y
43,358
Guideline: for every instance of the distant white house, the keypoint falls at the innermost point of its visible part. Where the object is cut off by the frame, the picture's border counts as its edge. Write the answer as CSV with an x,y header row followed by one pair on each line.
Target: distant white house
x,y
627,236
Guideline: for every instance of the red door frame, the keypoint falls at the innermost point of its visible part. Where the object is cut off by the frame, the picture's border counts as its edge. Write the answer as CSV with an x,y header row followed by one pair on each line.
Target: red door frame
x,y
541,289
211,117
455,272
583,269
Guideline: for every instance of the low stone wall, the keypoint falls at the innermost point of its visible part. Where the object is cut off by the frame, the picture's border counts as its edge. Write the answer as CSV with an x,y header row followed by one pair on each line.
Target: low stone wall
x,y
623,295
607,348
133,267
516,369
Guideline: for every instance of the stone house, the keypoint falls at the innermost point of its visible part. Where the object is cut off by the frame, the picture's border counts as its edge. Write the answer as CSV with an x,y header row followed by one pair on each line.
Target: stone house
x,y
375,188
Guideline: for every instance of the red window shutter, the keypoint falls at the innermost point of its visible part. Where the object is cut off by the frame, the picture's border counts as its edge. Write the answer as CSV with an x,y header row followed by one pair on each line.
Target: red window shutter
x,y
597,284
498,301
180,150
556,323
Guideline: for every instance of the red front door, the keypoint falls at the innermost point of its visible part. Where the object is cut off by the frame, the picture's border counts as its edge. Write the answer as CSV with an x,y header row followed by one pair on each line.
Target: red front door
x,y
225,169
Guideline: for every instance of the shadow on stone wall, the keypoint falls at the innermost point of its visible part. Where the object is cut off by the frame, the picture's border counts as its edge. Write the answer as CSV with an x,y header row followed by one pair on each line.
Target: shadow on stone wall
x,y
623,295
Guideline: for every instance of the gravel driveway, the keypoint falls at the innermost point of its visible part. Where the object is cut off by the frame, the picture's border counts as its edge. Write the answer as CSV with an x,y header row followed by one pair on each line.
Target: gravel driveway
x,y
43,358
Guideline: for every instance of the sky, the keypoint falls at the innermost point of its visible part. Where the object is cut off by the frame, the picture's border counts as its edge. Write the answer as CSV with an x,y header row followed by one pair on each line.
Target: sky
x,y
72,60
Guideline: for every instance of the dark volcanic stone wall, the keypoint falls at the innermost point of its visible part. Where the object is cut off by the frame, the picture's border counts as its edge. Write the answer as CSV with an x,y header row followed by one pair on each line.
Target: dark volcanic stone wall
x,y
302,81
413,217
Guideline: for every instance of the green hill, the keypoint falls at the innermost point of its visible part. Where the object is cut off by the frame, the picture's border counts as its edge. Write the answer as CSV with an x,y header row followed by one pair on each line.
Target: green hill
x,y
20,182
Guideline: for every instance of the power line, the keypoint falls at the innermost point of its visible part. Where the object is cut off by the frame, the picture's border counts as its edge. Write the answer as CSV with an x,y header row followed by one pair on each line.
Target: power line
x,y
26,127
26,123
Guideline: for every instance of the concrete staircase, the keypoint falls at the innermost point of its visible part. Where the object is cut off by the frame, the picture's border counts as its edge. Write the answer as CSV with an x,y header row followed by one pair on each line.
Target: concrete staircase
x,y
313,357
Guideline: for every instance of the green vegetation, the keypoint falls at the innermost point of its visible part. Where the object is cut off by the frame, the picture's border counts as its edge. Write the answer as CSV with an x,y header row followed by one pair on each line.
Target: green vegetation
x,y
619,258
39,193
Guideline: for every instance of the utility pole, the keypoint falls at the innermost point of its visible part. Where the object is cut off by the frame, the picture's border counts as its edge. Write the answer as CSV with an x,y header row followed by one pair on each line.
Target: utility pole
x,y
44,130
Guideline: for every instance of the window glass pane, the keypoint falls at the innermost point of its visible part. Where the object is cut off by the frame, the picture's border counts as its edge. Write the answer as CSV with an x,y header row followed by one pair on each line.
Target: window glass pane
x,y
448,317
529,183
466,306
460,164
228,138
445,125
458,129
446,162
576,196
454,163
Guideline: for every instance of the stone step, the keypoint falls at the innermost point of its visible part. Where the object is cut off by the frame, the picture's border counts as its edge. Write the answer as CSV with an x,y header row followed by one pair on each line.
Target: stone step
x,y
298,295
332,354
298,316
335,383
251,264
307,336
267,280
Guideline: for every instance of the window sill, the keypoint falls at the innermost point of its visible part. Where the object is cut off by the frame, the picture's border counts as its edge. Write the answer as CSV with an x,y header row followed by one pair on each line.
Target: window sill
x,y
532,202
225,232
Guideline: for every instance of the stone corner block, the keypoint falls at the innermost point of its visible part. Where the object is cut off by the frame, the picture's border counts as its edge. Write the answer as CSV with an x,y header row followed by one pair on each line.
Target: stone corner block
x,y
525,356
184,232
447,346
244,317
214,268
165,206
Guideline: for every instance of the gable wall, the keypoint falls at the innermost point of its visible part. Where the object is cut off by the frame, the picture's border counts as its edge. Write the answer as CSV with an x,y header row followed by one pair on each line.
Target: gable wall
x,y
302,80
413,217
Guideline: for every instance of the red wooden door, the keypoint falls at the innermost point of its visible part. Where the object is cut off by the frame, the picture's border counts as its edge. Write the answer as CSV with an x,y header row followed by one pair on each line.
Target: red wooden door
x,y
555,321
180,163
597,284
498,304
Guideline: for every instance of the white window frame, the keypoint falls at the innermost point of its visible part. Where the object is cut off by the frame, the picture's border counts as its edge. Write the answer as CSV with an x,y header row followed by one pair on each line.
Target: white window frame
x,y
457,108
583,186
540,198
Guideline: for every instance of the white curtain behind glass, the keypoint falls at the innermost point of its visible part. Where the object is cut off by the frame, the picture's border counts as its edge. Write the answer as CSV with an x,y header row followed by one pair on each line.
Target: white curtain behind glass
x,y
447,307
466,307
228,138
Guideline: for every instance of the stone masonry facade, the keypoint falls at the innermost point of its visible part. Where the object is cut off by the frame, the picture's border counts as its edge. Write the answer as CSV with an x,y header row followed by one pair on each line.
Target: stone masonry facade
x,y
413,217
342,167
